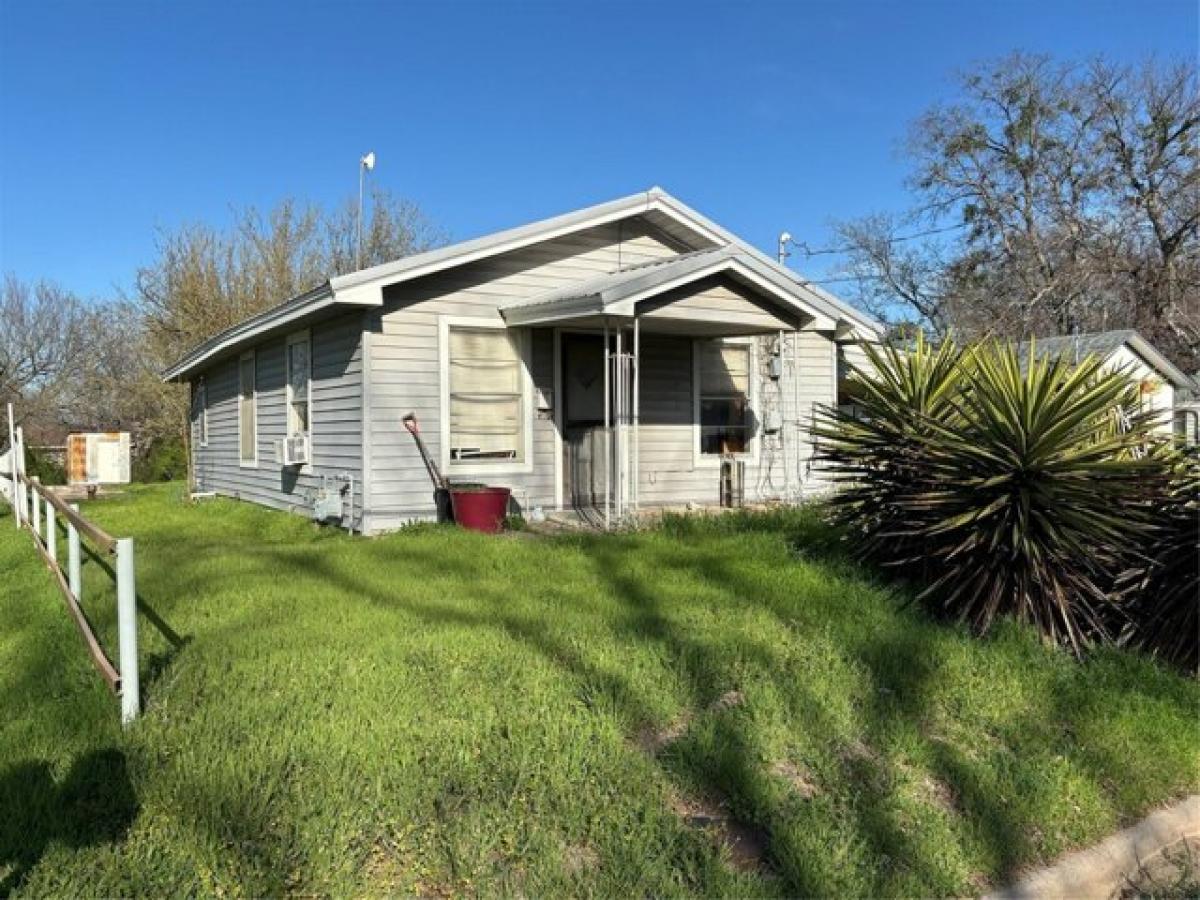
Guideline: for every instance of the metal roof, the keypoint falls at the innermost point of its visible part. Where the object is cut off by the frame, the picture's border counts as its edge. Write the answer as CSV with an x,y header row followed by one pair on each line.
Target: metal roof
x,y
365,287
1103,344
617,293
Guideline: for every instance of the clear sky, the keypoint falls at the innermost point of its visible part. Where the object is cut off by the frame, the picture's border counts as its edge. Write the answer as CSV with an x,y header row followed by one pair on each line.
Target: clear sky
x,y
116,119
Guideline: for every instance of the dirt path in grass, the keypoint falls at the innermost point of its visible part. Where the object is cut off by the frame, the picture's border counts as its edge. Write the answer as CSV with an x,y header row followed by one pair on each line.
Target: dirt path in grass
x,y
745,843
1158,855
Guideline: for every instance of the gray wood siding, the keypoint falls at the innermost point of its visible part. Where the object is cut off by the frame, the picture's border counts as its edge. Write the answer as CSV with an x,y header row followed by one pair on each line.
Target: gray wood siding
x,y
405,375
336,421
718,302
668,472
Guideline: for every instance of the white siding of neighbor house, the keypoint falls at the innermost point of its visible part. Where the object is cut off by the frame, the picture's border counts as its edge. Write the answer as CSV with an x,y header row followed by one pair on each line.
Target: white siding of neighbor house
x,y
336,378
1162,398
404,375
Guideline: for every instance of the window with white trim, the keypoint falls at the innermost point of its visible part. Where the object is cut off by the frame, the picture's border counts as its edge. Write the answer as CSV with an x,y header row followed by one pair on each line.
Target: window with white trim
x,y
299,385
485,395
247,410
723,397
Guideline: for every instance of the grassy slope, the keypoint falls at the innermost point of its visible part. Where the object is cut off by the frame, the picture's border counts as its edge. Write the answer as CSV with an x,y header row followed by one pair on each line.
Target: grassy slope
x,y
440,712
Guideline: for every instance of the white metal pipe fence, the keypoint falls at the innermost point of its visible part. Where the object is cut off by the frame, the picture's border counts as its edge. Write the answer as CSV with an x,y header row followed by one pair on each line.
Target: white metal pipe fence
x,y
39,509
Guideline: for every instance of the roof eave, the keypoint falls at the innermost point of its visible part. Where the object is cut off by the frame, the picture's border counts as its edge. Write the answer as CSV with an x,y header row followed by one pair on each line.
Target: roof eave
x,y
1152,356
227,341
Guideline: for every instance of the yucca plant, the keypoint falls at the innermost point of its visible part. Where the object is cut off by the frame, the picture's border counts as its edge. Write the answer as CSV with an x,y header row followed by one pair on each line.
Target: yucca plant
x,y
1016,493
1164,584
877,448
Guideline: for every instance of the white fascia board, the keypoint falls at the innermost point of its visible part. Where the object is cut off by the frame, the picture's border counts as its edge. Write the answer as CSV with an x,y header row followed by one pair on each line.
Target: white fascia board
x,y
361,295
626,303
836,307
542,313
523,236
1156,360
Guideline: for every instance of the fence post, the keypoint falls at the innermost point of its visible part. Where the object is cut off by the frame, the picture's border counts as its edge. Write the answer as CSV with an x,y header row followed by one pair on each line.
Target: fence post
x,y
51,534
74,562
14,468
34,501
25,490
127,631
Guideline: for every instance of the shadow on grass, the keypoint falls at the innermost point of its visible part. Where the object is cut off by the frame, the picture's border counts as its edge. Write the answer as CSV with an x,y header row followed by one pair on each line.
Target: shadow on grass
x,y
158,661
896,657
95,804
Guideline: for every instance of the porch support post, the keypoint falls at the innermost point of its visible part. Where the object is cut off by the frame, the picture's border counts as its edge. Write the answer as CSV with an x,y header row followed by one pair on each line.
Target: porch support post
x,y
620,386
637,412
607,436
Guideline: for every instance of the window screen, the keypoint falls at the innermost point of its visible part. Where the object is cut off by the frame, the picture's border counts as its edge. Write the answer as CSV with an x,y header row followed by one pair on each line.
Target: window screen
x,y
200,414
247,414
486,403
298,382
724,397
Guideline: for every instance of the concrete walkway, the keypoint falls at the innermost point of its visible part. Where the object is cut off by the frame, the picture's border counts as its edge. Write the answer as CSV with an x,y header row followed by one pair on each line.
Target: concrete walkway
x,y
1105,869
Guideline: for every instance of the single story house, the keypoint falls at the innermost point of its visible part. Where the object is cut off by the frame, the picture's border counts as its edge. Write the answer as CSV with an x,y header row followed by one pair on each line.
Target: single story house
x,y
1127,351
625,355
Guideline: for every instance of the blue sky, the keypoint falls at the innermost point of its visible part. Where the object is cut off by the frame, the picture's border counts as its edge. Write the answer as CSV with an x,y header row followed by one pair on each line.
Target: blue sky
x,y
116,119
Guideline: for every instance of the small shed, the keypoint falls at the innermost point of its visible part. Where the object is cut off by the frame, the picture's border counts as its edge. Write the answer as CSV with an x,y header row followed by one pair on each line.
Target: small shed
x,y
98,457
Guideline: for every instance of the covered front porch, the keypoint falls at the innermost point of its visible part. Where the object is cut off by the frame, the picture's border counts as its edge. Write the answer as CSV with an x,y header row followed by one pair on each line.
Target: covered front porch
x,y
672,378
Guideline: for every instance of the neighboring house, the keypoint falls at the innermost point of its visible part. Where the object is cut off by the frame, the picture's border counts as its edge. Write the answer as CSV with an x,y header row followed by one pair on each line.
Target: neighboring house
x,y
1158,378
610,358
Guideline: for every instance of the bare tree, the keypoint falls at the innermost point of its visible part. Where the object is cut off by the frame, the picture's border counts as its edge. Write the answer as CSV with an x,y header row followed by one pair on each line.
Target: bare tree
x,y
45,332
895,279
1075,191
1148,121
205,280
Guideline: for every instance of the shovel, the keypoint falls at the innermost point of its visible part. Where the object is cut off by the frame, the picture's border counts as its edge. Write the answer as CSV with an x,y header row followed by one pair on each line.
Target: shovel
x,y
441,487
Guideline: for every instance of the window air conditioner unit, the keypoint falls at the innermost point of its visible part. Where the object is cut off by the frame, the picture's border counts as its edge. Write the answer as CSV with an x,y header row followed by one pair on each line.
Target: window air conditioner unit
x,y
292,451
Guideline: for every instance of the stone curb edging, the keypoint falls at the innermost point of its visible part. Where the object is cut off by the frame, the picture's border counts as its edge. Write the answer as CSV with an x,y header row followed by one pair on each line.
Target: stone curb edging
x,y
1102,870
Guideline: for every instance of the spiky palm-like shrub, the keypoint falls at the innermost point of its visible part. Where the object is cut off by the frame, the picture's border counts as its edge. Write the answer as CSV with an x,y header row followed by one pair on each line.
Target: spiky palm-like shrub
x,y
1018,494
877,450
1165,585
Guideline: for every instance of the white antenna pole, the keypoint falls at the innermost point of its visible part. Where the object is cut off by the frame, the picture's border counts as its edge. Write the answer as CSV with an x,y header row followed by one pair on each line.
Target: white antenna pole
x,y
365,164
785,238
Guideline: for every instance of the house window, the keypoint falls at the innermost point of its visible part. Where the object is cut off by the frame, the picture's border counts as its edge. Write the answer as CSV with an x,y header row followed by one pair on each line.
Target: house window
x,y
200,414
723,399
486,396
299,385
247,411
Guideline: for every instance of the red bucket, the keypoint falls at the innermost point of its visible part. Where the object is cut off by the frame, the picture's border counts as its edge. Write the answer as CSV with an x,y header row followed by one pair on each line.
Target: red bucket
x,y
480,509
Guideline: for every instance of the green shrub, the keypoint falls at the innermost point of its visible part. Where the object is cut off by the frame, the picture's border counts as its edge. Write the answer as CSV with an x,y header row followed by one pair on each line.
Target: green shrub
x,y
161,460
1006,489
41,464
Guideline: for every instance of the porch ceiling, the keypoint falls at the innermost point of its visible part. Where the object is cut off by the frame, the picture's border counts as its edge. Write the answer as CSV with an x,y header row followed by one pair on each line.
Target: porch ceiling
x,y
616,295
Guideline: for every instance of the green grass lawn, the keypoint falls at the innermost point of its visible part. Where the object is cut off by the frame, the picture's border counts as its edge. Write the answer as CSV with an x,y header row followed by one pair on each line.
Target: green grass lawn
x,y
436,712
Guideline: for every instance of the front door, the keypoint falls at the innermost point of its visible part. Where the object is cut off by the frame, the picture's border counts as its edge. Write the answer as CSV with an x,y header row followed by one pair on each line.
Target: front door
x,y
587,447
583,421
